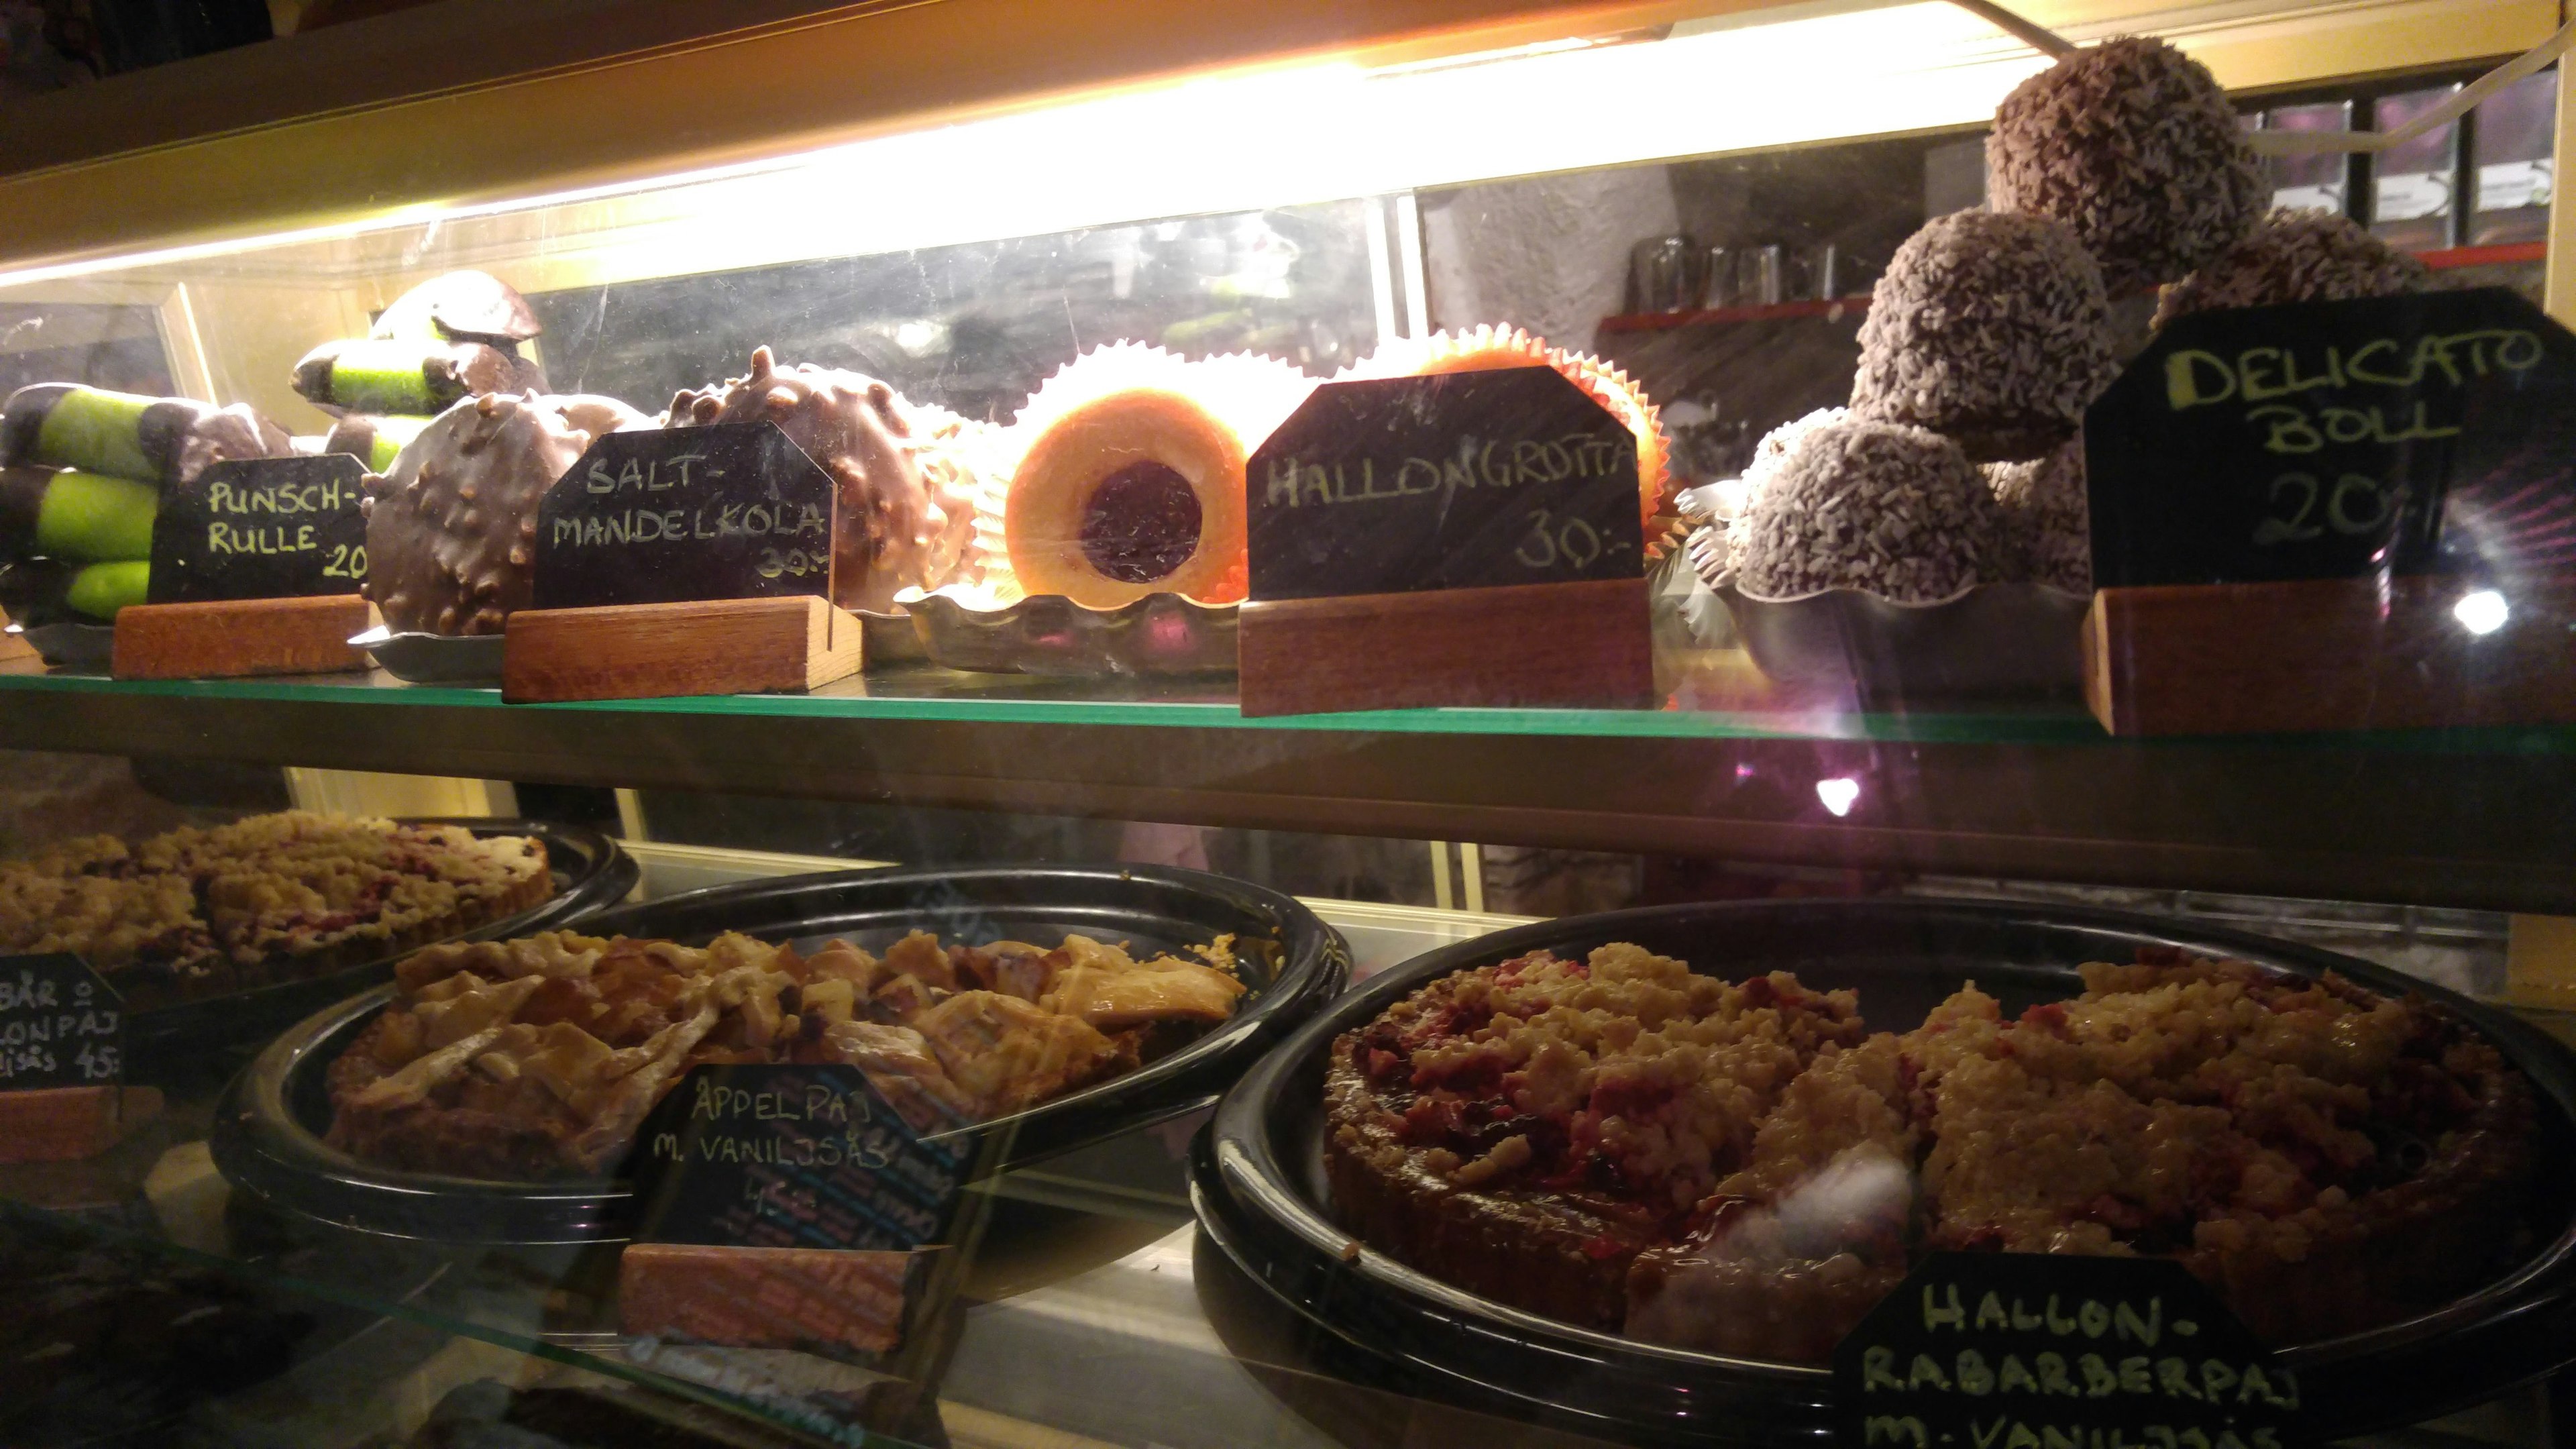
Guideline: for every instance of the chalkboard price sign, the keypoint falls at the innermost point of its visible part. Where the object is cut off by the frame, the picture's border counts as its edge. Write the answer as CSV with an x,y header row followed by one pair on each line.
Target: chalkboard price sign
x,y
261,528
791,1157
2416,434
675,515
1465,480
60,1024
2031,1350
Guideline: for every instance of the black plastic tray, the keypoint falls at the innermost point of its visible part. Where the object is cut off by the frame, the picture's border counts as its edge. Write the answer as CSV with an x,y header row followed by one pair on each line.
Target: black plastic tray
x,y
1257,1182
268,1128
591,874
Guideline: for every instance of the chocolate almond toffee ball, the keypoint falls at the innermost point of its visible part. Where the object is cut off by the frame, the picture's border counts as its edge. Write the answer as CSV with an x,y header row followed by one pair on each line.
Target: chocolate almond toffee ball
x,y
1989,329
1891,510
2296,256
2047,520
898,527
452,526
2133,144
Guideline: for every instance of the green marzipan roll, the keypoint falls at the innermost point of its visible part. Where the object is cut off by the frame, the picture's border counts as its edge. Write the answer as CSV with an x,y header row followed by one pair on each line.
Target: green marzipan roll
x,y
45,591
121,434
373,440
100,589
402,377
90,517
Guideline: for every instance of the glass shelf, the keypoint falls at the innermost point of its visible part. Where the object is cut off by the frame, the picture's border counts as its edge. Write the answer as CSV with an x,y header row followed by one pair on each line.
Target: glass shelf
x,y
1744,710
2438,817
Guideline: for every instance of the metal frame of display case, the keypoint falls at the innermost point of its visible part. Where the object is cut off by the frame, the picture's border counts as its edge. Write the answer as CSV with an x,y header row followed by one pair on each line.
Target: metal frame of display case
x,y
209,152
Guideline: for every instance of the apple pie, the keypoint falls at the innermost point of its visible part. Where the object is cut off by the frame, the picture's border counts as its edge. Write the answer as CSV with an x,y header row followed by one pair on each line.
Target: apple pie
x,y
539,1057
200,912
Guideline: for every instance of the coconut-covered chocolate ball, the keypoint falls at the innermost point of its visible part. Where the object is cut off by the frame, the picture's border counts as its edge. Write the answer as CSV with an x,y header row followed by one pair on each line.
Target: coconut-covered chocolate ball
x,y
1989,329
1892,510
2296,256
2047,522
2133,144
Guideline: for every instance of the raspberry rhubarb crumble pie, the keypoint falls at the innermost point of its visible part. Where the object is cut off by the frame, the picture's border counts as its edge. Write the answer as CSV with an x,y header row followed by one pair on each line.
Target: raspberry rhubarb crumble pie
x,y
1742,1168
200,912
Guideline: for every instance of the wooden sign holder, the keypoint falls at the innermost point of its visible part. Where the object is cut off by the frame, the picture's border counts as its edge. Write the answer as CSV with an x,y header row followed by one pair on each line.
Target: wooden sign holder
x,y
1584,643
12,646
67,1124
2329,654
653,651
238,638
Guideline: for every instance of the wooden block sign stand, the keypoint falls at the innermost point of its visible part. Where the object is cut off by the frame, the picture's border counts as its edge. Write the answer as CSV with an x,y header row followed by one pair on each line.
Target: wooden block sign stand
x,y
1461,540
650,651
1525,644
240,638
2328,654
2336,516
682,561
256,569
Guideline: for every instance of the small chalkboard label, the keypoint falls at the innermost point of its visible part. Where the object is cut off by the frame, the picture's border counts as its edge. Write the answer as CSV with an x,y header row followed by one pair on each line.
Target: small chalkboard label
x,y
773,1156
2402,435
1462,480
261,528
60,1024
676,515
2033,1350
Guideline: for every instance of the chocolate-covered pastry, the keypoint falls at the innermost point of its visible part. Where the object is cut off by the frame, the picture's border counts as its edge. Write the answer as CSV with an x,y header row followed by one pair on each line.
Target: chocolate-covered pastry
x,y
1888,509
1989,329
461,306
2133,144
2296,256
405,376
896,527
164,440
452,527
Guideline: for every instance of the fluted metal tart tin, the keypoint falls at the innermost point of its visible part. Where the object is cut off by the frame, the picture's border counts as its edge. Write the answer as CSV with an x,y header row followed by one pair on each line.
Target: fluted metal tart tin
x,y
1994,641
590,874
1258,1184
1159,635
268,1131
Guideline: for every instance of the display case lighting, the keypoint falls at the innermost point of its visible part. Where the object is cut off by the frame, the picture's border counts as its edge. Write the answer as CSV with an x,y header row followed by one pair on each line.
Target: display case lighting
x,y
1228,143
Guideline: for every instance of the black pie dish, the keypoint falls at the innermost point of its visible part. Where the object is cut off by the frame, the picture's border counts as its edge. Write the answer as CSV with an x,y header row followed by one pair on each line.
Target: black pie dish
x,y
1258,1185
590,874
268,1130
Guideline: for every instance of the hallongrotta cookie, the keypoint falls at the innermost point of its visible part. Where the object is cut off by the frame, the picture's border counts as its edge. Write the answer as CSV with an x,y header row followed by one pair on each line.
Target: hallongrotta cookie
x,y
452,526
896,528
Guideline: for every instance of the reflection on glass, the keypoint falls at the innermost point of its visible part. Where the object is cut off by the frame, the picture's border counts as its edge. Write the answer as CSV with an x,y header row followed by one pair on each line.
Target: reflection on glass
x,y
2513,134
976,327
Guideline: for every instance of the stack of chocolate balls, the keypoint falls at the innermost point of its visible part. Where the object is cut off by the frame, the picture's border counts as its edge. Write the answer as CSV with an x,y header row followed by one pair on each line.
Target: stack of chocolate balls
x,y
1960,461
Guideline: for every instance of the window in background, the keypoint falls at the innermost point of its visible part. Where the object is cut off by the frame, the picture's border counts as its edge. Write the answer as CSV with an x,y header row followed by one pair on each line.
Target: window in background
x,y
2414,193
2311,183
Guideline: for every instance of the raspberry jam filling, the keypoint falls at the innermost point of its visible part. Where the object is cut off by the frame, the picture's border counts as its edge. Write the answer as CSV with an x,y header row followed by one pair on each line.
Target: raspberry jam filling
x,y
1141,523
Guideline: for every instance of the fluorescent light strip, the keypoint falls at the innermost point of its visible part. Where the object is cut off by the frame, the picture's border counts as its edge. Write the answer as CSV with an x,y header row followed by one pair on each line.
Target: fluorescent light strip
x,y
1244,142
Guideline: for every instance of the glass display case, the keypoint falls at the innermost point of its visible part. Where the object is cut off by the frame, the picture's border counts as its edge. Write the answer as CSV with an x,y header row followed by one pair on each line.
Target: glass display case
x,y
1366,998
